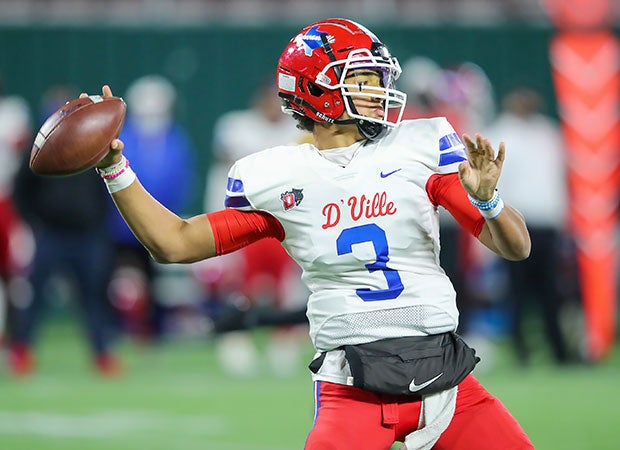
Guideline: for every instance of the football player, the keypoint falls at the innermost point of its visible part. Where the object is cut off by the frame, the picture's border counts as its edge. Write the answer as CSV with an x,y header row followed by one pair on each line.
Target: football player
x,y
358,211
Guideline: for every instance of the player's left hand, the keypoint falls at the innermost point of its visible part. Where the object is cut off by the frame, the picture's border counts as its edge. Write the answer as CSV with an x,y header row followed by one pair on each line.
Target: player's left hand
x,y
480,173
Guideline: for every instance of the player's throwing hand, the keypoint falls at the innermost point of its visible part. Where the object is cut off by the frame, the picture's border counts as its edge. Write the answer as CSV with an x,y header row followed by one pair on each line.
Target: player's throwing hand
x,y
116,146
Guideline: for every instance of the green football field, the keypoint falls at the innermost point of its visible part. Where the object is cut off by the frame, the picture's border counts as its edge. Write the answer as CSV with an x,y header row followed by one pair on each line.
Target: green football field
x,y
174,396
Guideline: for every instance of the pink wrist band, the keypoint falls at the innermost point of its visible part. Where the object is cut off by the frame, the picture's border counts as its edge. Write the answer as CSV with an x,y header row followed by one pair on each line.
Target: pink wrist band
x,y
118,176
114,172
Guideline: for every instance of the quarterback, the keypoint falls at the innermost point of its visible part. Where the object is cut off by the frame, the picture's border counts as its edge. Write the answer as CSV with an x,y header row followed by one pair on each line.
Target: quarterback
x,y
358,211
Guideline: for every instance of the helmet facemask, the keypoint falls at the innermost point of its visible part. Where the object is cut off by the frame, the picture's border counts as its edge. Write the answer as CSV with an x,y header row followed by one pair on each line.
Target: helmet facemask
x,y
392,100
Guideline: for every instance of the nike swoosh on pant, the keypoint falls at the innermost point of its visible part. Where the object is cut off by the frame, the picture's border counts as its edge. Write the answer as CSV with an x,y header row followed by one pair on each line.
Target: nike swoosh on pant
x,y
417,387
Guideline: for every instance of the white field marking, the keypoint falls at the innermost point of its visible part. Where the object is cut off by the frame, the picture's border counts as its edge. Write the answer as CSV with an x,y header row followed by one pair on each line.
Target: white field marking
x,y
109,423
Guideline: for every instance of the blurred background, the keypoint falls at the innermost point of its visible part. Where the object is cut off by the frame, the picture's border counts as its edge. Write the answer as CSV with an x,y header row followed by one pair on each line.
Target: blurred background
x,y
104,349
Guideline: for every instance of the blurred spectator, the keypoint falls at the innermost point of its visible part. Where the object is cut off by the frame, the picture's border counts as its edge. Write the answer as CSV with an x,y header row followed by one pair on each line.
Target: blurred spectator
x,y
15,137
477,272
545,280
466,87
423,81
464,95
264,274
264,125
67,218
160,147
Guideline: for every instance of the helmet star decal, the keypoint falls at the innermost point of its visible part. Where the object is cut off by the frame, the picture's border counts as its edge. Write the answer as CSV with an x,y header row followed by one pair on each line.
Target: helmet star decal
x,y
312,39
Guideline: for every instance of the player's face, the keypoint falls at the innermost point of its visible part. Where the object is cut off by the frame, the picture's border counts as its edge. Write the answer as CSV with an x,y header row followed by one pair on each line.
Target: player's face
x,y
365,102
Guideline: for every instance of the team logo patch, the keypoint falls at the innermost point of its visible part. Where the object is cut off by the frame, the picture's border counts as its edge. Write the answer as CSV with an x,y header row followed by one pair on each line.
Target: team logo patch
x,y
291,198
312,39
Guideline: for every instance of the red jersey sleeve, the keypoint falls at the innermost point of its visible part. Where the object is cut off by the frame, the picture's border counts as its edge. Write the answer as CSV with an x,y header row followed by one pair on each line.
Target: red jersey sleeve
x,y
234,229
447,191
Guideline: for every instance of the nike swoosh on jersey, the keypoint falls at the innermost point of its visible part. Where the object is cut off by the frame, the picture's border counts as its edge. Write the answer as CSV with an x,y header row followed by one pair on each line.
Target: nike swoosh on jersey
x,y
417,387
383,175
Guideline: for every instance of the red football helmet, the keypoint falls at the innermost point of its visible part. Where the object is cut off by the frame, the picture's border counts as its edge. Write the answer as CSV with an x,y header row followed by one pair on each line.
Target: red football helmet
x,y
313,68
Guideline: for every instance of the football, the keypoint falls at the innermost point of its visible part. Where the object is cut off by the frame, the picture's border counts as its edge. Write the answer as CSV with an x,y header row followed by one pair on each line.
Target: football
x,y
77,136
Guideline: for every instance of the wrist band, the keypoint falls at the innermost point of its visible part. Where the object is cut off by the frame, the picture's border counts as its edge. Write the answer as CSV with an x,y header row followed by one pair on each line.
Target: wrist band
x,y
117,176
489,209
114,170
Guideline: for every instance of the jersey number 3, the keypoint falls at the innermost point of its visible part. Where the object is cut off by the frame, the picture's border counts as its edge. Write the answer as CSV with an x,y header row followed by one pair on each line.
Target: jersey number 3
x,y
376,235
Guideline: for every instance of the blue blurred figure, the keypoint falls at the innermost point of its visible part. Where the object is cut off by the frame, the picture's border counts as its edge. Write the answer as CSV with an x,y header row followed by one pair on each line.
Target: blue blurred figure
x,y
67,217
157,144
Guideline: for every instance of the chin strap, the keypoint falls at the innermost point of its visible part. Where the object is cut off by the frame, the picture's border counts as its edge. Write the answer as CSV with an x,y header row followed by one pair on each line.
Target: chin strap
x,y
369,130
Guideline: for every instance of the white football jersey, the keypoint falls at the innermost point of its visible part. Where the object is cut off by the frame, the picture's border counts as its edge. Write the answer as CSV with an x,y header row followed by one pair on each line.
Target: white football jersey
x,y
366,235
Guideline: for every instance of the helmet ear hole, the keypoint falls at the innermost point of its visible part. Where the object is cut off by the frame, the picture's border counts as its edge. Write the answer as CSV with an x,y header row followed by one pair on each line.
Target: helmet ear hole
x,y
315,90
